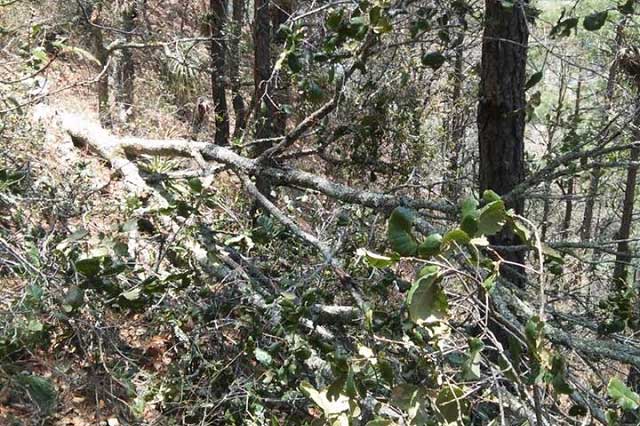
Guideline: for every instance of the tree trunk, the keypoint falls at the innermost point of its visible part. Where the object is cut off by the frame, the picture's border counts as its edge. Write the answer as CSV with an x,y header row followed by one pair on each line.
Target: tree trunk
x,y
553,128
281,10
501,111
568,208
239,108
456,130
623,256
262,74
594,183
125,68
264,107
102,55
568,211
217,18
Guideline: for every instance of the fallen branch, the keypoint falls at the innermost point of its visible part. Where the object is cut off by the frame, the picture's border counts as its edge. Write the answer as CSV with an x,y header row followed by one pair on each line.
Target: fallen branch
x,y
116,149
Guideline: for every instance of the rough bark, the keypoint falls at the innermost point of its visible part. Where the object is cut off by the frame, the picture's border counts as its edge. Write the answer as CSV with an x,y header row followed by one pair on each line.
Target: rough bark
x,y
125,67
239,107
281,10
102,55
262,74
264,107
217,19
501,108
623,258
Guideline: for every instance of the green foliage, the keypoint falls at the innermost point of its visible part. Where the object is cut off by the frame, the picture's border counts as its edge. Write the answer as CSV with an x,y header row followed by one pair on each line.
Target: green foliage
x,y
40,390
426,300
624,397
595,21
434,60
399,232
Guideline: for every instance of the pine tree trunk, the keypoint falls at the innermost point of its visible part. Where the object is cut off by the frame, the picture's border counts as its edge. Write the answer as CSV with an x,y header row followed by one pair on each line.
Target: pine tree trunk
x,y
623,256
262,73
264,108
125,67
102,55
281,10
239,107
501,111
217,18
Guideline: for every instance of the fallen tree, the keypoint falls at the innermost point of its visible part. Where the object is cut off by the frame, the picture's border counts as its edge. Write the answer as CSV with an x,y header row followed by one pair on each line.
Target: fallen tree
x,y
507,304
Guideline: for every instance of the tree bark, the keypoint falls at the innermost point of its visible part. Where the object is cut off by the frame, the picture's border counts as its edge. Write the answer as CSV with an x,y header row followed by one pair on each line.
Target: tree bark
x,y
623,258
262,73
281,10
217,18
568,211
102,55
594,182
501,110
239,107
264,107
553,128
456,127
125,67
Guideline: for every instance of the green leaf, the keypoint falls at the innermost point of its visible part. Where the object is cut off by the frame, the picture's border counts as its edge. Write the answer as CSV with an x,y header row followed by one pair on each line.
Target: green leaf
x,y
627,7
595,21
564,27
559,375
339,405
35,326
77,235
489,283
471,366
622,395
520,230
456,235
533,80
427,301
578,410
263,357
430,246
452,405
74,298
469,224
492,218
534,332
378,421
469,207
434,60
490,196
295,65
89,267
377,260
334,19
196,185
399,232
40,390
